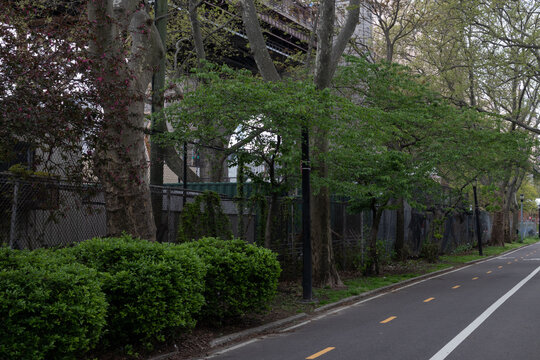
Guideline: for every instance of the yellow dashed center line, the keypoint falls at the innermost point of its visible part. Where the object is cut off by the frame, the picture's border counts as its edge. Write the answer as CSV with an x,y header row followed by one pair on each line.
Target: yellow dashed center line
x,y
489,272
455,287
500,267
475,278
388,320
322,352
429,299
509,262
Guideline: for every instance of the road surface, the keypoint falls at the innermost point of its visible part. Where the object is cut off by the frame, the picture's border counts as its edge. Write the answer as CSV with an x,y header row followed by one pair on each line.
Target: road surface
x,y
489,310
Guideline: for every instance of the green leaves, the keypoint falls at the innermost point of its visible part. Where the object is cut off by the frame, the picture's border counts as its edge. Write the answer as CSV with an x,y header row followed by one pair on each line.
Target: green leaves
x,y
241,277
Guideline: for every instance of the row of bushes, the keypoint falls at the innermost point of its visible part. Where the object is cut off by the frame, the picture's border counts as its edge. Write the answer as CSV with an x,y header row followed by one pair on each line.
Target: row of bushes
x,y
58,304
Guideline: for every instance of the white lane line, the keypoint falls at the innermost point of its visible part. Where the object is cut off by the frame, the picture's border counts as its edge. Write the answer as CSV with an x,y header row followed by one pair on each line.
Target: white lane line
x,y
393,291
221,352
454,343
295,326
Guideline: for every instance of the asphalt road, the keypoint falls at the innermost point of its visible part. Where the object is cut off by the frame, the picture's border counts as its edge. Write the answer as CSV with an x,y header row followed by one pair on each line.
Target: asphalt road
x,y
489,310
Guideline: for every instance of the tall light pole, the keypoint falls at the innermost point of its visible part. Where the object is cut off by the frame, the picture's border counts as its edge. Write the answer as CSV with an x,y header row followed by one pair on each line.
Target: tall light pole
x,y
306,219
521,197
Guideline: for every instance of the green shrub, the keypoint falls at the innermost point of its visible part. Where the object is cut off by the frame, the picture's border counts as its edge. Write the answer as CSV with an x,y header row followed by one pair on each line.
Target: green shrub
x,y
240,277
49,308
463,248
203,217
430,251
152,290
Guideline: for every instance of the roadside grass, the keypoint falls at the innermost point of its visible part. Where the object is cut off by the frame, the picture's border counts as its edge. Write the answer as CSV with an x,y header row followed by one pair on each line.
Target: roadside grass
x,y
356,284
471,255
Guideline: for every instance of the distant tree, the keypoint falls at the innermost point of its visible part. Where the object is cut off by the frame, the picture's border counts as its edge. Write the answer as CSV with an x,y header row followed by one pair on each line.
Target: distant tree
x,y
406,140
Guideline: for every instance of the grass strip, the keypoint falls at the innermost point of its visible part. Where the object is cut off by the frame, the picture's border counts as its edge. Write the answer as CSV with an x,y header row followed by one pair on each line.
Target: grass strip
x,y
358,285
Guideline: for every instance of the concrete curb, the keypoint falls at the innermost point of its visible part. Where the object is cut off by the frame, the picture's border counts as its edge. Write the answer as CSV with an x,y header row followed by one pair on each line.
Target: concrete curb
x,y
273,325
381,290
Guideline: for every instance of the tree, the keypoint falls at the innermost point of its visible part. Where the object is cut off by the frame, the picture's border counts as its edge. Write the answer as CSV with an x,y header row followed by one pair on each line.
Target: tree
x,y
328,53
396,20
404,141
194,31
475,66
47,95
125,48
264,118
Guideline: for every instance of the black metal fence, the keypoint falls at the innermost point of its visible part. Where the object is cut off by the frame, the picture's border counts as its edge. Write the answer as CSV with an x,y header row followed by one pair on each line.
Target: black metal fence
x,y
37,212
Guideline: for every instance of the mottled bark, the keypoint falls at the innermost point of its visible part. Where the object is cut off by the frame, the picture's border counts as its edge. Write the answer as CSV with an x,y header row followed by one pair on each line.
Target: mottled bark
x,y
198,42
121,161
256,42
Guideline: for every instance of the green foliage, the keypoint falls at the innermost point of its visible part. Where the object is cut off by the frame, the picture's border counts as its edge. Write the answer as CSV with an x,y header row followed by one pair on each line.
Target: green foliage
x,y
203,217
50,307
463,248
153,289
241,277
430,251
530,194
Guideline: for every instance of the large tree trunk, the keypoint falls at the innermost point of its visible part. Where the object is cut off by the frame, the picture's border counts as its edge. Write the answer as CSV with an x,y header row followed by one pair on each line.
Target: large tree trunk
x,y
121,159
213,164
497,232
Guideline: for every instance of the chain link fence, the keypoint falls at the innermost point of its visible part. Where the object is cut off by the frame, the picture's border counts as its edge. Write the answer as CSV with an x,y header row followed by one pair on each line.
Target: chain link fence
x,y
38,212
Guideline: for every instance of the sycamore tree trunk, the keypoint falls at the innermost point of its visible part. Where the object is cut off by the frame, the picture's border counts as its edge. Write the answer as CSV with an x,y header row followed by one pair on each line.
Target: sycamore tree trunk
x,y
123,75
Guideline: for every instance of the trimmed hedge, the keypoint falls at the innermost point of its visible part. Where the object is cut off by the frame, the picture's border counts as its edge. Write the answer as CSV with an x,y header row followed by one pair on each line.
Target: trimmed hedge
x,y
152,290
240,278
50,308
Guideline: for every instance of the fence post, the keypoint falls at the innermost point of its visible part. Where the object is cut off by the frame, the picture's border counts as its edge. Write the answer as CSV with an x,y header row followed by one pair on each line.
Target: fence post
x,y
170,226
14,207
